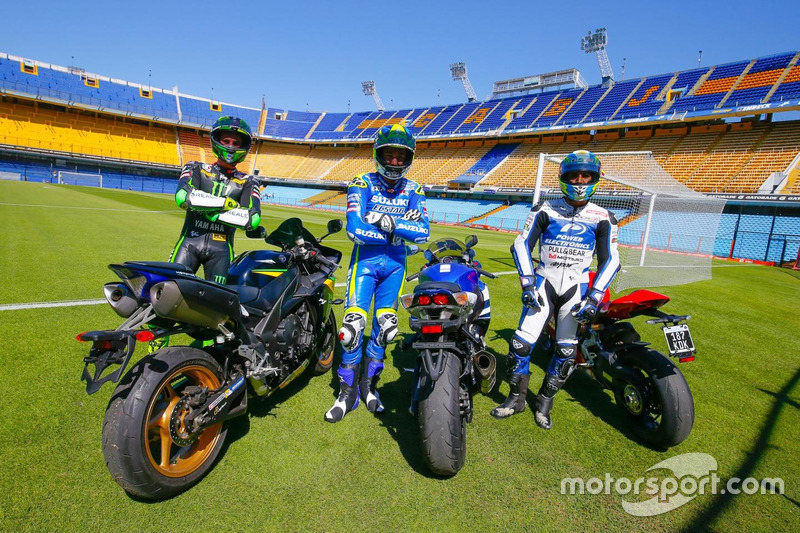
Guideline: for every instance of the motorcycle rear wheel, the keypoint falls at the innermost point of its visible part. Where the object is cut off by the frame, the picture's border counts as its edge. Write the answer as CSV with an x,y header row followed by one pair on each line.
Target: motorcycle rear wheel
x,y
139,452
658,403
443,431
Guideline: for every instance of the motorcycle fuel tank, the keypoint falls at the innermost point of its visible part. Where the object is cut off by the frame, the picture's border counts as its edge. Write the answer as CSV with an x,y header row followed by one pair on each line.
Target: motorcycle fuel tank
x,y
462,275
258,268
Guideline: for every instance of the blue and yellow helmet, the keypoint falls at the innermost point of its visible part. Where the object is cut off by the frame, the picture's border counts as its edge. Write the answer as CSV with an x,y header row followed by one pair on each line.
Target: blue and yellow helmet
x,y
579,160
394,136
233,125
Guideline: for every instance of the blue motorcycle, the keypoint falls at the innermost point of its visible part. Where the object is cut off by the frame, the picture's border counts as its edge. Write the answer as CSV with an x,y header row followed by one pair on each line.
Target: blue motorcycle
x,y
453,363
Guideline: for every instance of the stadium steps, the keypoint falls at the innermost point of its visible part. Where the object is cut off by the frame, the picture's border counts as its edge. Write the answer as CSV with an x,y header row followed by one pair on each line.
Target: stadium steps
x,y
486,214
729,184
699,83
736,83
510,117
262,121
624,102
575,101
793,181
780,79
314,127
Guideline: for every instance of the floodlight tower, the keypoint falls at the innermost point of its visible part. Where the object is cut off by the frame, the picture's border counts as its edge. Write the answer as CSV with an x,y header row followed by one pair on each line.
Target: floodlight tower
x,y
369,89
596,42
459,73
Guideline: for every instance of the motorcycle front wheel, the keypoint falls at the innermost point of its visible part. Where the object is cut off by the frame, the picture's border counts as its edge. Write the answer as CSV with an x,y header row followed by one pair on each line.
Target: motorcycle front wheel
x,y
145,413
443,431
325,360
656,399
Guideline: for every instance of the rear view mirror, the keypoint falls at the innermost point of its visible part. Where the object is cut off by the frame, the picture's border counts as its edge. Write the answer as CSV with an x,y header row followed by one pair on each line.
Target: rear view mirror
x,y
471,241
334,226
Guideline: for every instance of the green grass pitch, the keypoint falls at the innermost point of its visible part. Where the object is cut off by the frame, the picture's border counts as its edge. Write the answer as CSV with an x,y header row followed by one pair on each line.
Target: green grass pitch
x,y
285,469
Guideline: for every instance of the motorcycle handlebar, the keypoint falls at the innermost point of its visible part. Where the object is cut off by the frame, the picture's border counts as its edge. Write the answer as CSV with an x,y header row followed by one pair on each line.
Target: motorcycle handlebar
x,y
413,276
319,258
482,272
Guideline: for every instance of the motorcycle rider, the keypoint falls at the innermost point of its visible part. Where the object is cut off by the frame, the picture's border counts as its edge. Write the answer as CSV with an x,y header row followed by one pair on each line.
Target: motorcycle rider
x,y
569,230
384,210
217,198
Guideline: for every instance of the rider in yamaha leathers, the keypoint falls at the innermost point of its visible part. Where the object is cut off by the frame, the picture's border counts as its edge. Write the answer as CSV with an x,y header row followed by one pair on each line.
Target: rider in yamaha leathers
x,y
569,231
218,199
384,210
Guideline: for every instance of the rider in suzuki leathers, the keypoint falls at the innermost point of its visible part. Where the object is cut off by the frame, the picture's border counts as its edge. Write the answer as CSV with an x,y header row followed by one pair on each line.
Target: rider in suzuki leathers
x,y
217,199
569,231
384,210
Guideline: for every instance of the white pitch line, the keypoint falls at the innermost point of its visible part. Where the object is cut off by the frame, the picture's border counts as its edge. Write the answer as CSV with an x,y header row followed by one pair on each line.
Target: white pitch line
x,y
39,305
70,303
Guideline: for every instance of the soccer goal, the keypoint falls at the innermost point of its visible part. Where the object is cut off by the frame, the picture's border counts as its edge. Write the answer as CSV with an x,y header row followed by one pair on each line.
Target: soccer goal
x,y
667,231
80,178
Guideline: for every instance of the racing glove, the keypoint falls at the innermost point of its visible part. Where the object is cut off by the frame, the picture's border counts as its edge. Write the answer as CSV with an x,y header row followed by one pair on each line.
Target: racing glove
x,y
382,221
530,298
586,310
230,203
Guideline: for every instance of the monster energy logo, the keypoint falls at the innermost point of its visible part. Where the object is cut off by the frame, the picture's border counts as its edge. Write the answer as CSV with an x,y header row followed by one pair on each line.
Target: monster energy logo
x,y
220,279
220,189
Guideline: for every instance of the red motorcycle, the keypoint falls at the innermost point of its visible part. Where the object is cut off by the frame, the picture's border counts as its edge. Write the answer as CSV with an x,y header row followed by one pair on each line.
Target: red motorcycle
x,y
647,385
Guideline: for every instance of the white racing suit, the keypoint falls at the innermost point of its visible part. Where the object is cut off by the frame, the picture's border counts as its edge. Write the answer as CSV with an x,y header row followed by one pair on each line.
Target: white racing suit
x,y
568,237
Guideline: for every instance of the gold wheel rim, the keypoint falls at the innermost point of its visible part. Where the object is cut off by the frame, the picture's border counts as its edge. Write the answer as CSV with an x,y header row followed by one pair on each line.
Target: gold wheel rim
x,y
168,458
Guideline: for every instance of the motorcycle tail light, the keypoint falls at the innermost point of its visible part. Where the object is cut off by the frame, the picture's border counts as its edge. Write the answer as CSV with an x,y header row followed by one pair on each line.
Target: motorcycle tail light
x,y
80,338
145,336
433,328
687,359
441,299
406,300
424,299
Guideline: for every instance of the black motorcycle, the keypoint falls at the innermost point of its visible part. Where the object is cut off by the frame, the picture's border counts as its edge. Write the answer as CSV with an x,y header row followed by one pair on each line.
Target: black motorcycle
x,y
167,420
453,362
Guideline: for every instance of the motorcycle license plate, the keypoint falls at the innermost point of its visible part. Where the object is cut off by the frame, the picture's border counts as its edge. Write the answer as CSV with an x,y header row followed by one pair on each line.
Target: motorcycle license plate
x,y
679,340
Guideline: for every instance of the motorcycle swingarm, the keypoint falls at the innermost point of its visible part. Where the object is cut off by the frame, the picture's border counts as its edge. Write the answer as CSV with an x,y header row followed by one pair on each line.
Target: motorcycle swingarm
x,y
608,364
220,405
108,348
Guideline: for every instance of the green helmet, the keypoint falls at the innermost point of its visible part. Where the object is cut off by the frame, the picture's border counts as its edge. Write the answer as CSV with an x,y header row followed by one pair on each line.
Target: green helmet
x,y
230,154
394,136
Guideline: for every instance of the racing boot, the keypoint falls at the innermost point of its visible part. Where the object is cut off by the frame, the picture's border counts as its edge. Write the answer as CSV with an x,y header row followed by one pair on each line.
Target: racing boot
x,y
515,403
369,381
348,393
544,401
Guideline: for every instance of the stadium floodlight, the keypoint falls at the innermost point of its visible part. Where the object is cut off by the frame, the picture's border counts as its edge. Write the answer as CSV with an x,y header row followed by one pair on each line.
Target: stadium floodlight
x,y
459,73
596,43
369,89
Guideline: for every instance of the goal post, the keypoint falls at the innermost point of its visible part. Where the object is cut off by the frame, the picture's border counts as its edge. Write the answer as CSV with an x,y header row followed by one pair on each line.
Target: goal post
x,y
667,231
80,178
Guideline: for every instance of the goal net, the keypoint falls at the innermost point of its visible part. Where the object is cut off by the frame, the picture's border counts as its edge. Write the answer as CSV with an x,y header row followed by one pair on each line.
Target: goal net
x,y
80,178
666,230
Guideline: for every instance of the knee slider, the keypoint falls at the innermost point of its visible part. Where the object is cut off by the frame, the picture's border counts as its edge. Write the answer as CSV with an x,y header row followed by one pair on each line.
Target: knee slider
x,y
387,324
352,330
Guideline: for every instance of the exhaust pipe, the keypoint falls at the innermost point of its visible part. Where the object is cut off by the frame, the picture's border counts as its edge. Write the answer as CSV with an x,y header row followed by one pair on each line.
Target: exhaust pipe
x,y
486,364
121,299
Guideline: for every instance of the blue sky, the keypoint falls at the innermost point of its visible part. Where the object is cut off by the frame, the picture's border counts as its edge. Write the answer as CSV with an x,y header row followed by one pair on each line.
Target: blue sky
x,y
314,54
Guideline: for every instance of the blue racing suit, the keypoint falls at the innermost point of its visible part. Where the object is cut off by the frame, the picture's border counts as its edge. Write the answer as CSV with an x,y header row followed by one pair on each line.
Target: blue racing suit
x,y
378,263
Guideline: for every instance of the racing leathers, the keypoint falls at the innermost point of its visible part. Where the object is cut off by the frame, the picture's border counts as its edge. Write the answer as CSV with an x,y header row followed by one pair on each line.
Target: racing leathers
x,y
217,202
381,218
568,237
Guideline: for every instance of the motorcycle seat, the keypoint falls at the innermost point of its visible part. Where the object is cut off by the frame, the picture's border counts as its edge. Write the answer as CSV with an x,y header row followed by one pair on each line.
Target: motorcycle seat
x,y
434,285
162,264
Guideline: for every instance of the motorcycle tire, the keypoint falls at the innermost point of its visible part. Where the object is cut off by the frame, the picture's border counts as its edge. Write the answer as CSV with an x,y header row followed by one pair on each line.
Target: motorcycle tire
x,y
325,360
658,402
139,452
443,431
